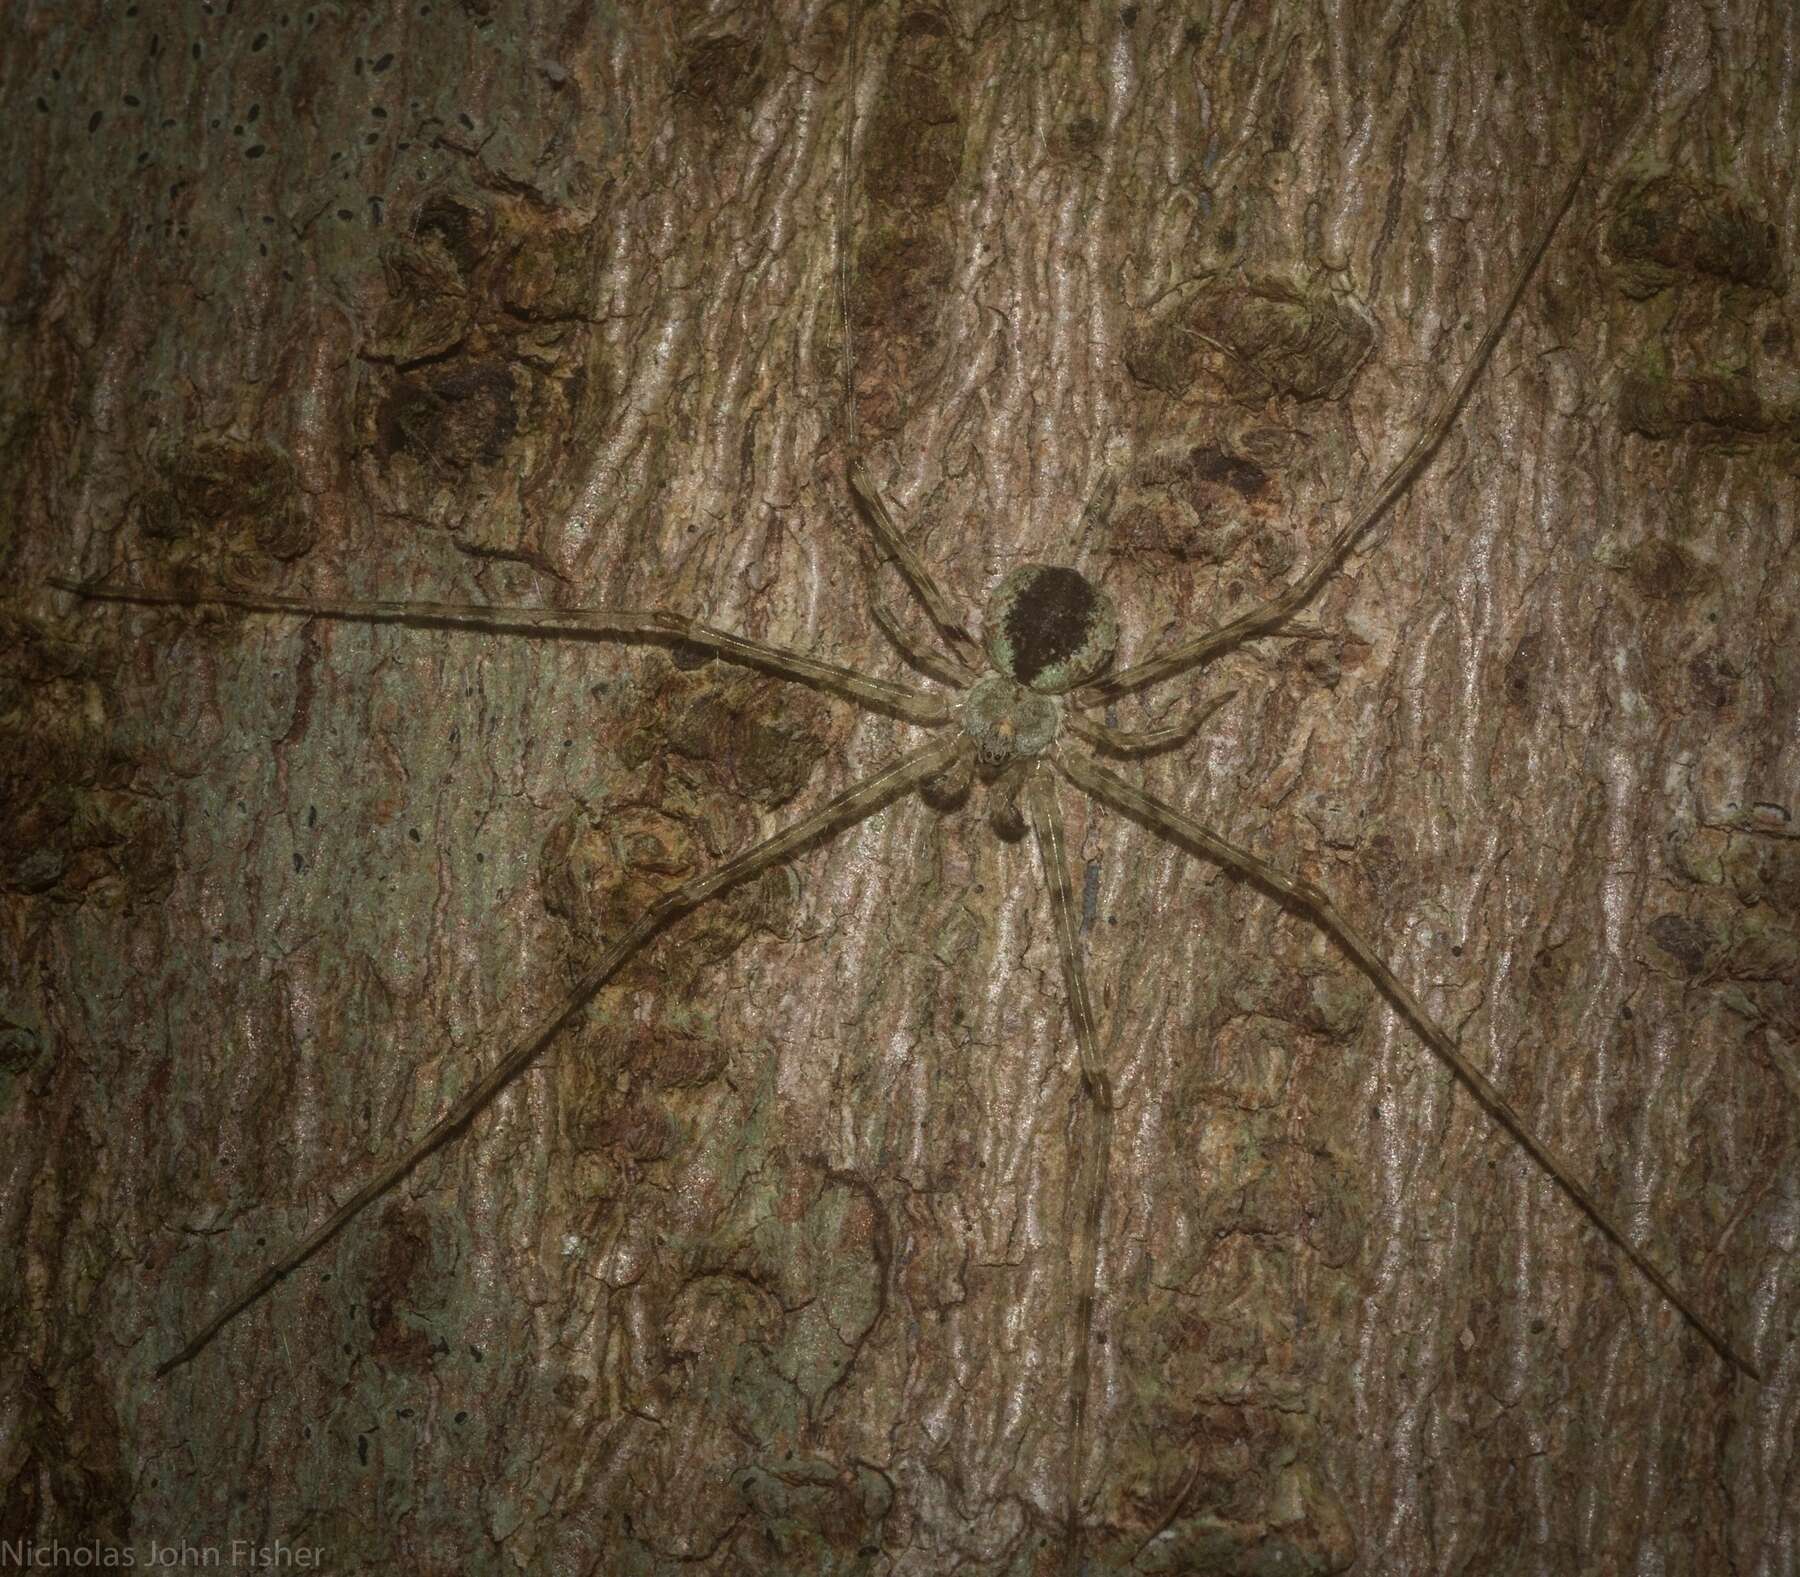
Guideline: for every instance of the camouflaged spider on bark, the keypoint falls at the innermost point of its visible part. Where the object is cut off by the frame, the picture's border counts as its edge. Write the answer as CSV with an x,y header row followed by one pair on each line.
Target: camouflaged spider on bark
x,y
1026,707
1022,712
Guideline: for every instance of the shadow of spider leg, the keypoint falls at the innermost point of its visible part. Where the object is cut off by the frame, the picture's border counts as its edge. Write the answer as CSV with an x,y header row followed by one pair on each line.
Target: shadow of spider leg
x,y
854,804
1184,832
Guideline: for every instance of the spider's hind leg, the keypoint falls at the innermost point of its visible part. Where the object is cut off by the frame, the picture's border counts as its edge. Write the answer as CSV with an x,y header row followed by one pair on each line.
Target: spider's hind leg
x,y
963,655
1270,616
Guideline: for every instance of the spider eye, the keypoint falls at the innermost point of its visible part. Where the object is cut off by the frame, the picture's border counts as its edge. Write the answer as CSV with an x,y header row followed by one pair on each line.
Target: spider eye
x,y
1050,628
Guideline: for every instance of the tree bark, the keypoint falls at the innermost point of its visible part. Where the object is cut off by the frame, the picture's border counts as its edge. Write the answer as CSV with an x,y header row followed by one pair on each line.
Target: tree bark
x,y
768,1266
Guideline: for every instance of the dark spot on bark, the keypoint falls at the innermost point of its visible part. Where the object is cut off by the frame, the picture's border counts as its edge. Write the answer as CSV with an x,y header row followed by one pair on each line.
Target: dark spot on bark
x,y
633,1128
895,302
911,150
1383,868
461,229
19,1047
831,1511
1602,13
759,739
1242,476
677,1059
452,417
1522,669
546,277
622,1113
223,496
1713,410
1714,679
903,275
1688,942
724,74
1261,337
1671,227
1770,871
73,1445
1196,503
399,1286
703,744
1081,137
1664,571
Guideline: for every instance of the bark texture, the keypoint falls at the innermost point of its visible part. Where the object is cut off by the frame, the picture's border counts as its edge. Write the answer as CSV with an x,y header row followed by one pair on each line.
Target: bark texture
x,y
768,1268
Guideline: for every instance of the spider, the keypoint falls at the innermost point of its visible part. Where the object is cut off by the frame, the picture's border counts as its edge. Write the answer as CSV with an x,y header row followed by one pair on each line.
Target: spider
x,y
1025,714
1027,782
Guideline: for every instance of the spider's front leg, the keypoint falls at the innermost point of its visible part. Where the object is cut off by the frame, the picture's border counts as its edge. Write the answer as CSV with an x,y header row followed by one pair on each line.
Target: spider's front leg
x,y
855,803
1181,830
961,661
1045,815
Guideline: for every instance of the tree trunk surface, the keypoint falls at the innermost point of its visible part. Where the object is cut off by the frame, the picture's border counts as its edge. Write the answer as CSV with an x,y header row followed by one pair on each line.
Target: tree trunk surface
x,y
769,1265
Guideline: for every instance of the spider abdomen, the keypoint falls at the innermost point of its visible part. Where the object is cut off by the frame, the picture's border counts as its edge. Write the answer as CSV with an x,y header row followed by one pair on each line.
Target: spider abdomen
x,y
1049,628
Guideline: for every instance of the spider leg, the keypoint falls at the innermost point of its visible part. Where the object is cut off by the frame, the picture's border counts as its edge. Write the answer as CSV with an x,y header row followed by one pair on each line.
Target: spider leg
x,y
955,672
1259,620
965,655
854,804
1047,824
935,664
648,624
1142,741
1183,831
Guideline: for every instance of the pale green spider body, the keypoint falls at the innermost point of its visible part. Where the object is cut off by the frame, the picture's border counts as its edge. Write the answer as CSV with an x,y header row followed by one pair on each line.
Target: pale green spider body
x,y
1047,630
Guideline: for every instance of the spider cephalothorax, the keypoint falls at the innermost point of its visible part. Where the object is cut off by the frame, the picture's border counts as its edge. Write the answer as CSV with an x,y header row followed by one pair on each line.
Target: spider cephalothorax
x,y
1008,722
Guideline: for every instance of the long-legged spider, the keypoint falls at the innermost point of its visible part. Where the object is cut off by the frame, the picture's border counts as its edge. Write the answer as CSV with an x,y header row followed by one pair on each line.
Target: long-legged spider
x,y
191,1246
1048,641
